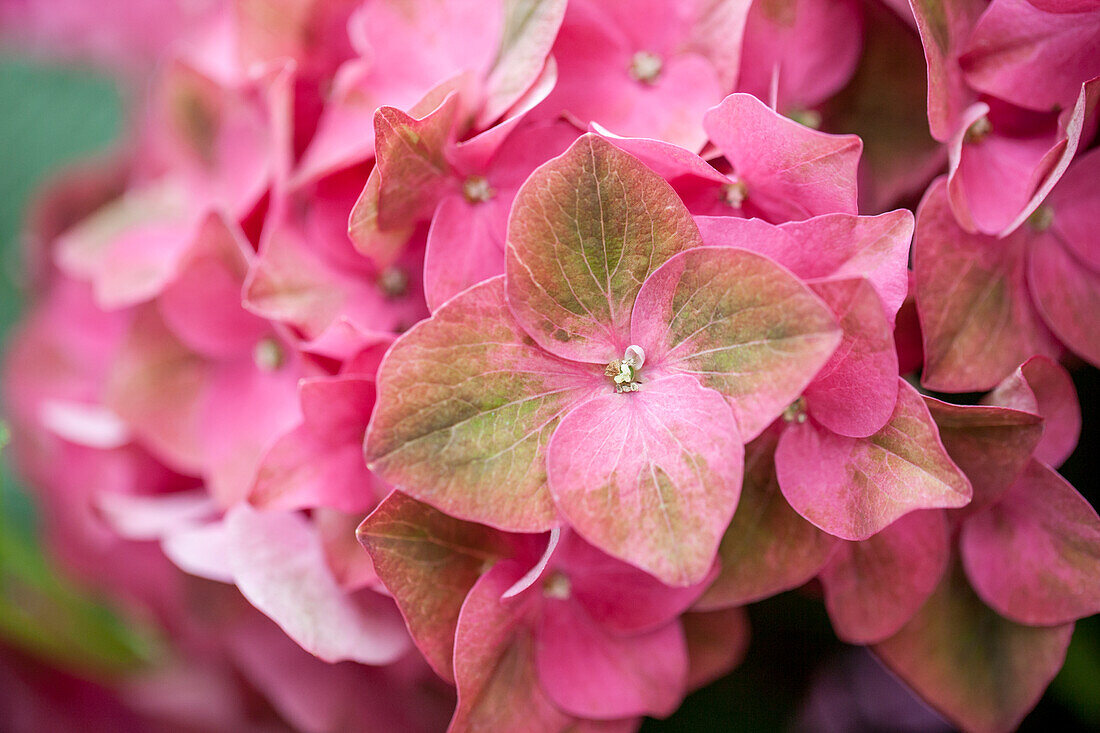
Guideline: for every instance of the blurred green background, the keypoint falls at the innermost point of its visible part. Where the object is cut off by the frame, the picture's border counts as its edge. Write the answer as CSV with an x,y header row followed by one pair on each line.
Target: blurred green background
x,y
52,115
55,114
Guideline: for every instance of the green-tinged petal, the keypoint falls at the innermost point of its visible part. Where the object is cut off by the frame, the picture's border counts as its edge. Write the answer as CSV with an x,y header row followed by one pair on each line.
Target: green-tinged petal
x,y
429,562
466,406
586,230
982,671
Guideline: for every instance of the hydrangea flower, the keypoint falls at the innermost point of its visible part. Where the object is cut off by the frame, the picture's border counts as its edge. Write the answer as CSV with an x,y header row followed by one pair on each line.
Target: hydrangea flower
x,y
523,423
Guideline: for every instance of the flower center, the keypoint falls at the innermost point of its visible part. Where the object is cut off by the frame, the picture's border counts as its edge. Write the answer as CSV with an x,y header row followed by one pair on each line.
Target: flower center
x,y
796,411
978,130
393,282
268,355
645,66
734,194
557,586
1041,219
477,190
624,372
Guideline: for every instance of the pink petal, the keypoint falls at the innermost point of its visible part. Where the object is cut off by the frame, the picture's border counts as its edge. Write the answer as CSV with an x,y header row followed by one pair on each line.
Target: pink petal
x,y
337,408
945,26
132,247
667,160
981,671
247,409
1032,56
812,46
203,550
466,406
884,104
1035,555
1076,205
584,234
789,171
650,477
768,548
831,245
409,158
93,426
1043,387
303,470
854,393
538,570
976,316
855,487
215,135
202,305
495,657
990,444
429,562
279,565
872,588
620,597
315,696
153,517
465,247
591,674
293,283
1068,296
528,35
351,564
407,50
345,341
159,387
409,179
739,323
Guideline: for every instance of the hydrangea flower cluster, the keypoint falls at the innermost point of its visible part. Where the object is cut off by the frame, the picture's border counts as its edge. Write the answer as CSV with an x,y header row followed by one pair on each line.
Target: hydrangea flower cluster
x,y
481,361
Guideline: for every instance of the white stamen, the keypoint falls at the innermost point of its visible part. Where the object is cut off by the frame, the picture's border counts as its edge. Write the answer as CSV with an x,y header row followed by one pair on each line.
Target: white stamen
x,y
645,66
624,372
734,194
978,130
796,411
558,587
393,282
268,354
477,190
